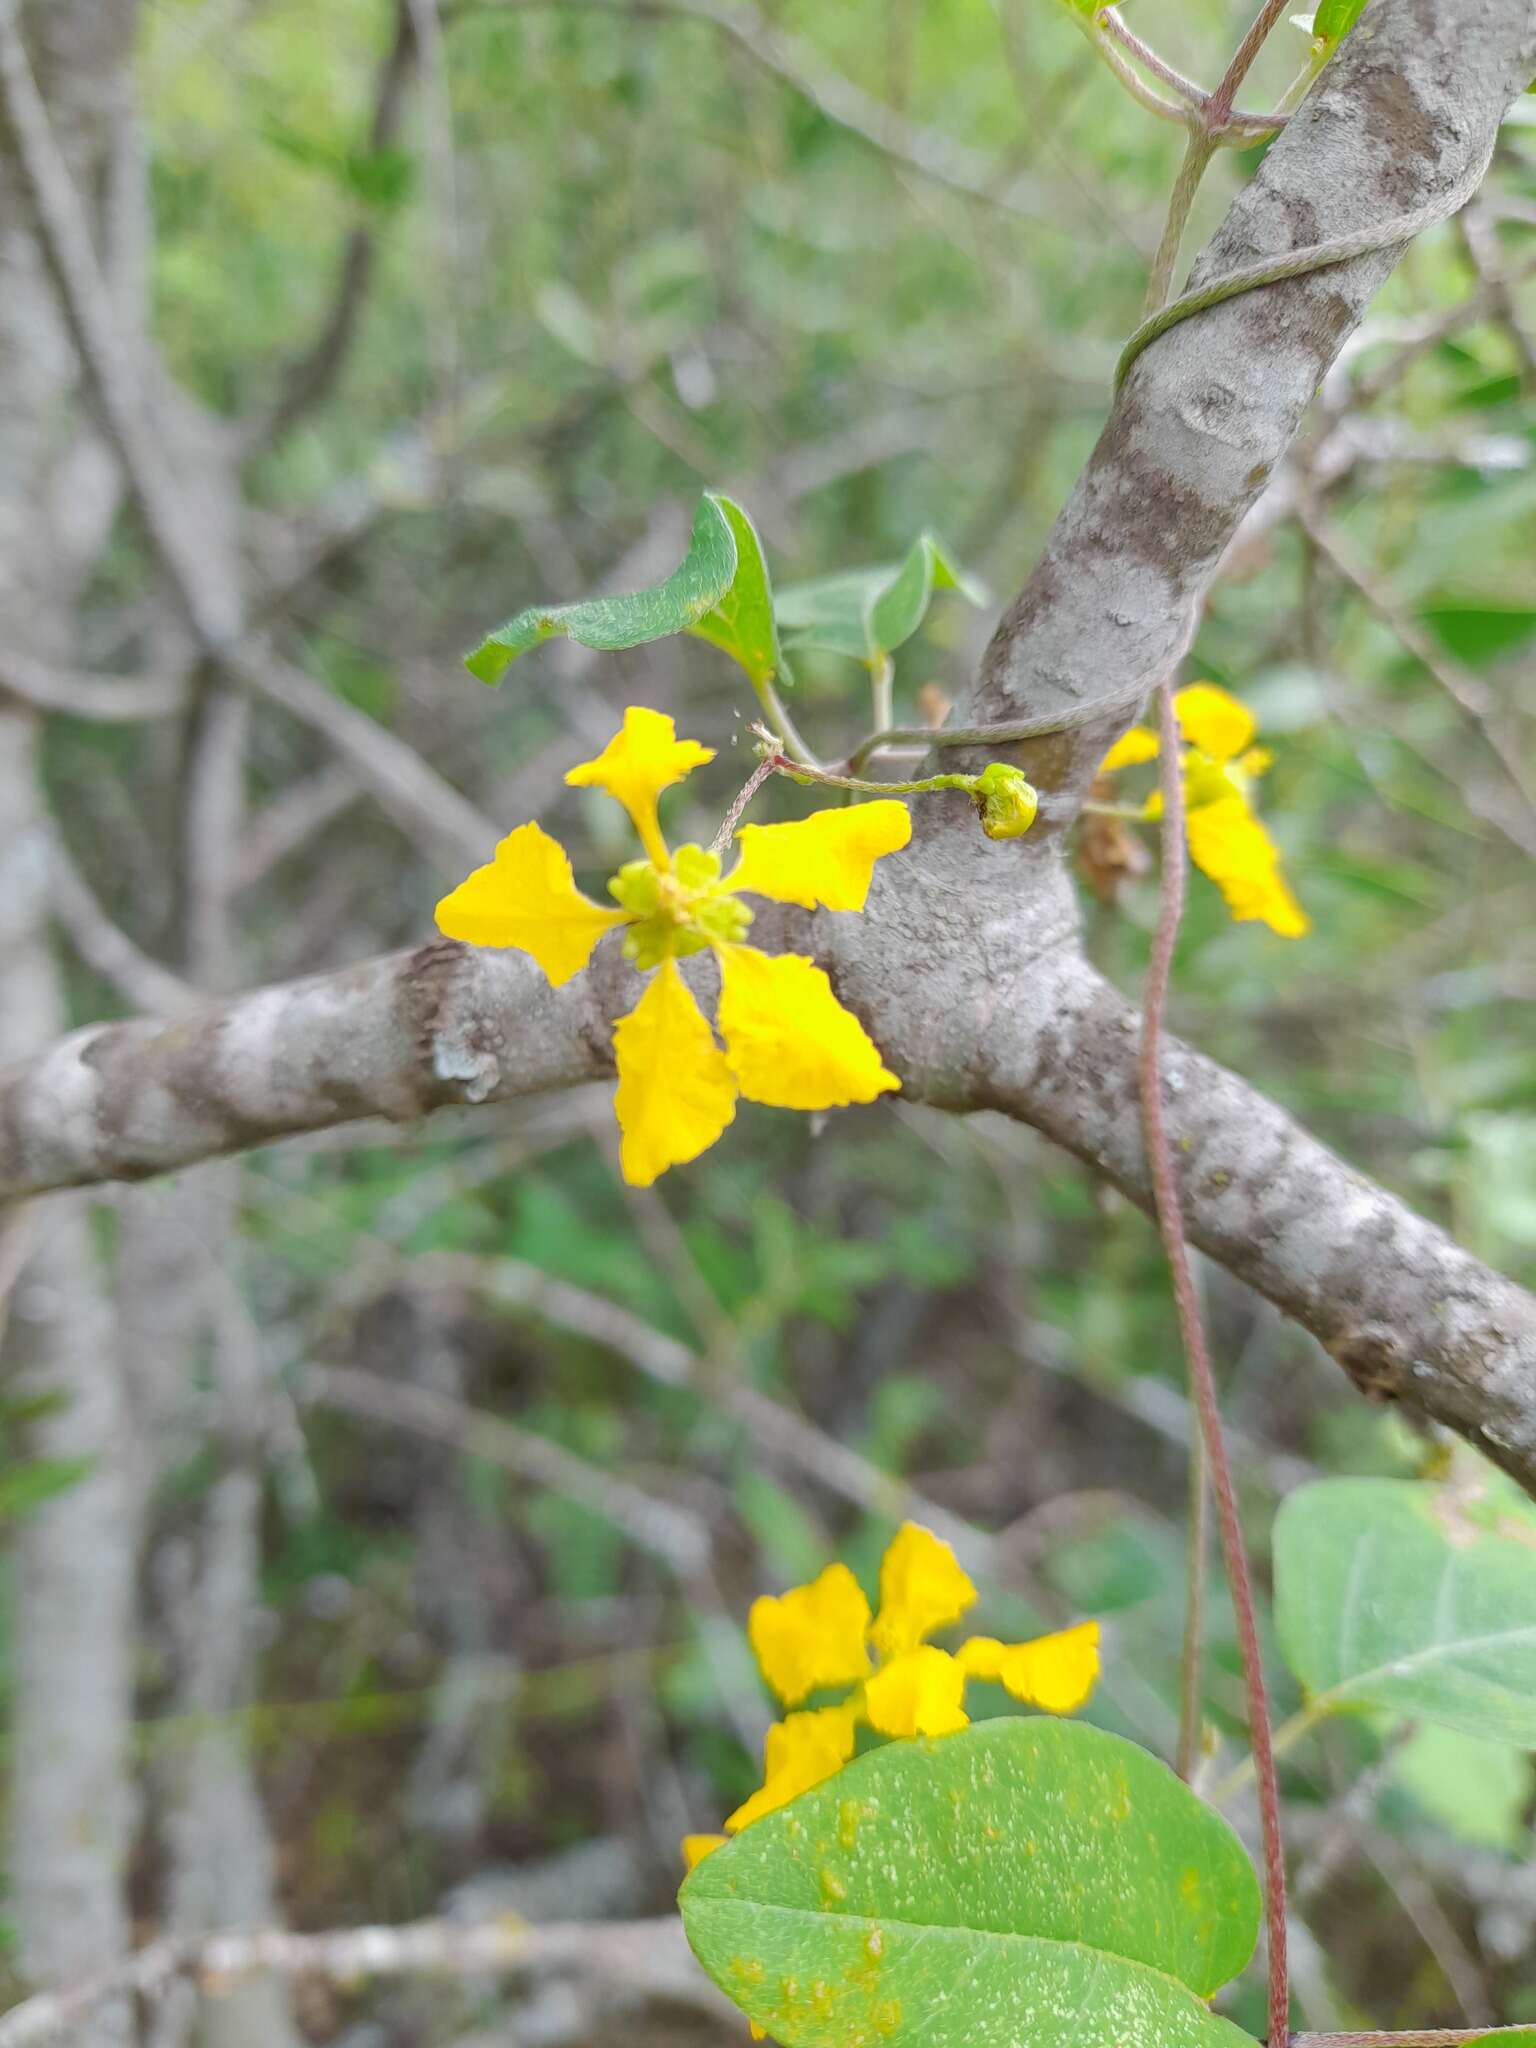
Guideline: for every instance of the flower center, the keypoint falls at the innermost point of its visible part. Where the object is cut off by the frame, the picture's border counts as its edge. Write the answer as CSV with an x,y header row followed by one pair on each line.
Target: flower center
x,y
678,908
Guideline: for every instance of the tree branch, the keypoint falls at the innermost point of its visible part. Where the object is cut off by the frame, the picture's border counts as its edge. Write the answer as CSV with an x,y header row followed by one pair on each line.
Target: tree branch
x,y
308,382
1412,101
1408,1314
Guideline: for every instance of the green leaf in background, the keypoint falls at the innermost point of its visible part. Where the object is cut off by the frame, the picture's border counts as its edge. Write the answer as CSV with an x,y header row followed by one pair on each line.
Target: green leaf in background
x,y
1390,1593
742,624
1479,633
27,1485
869,613
694,588
1477,1791
1026,1880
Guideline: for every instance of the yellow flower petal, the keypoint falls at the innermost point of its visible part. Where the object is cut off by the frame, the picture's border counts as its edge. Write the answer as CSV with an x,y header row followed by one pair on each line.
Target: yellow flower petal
x,y
1214,721
918,1693
1227,842
1055,1672
811,1636
697,1847
1130,750
675,1094
527,897
826,860
789,1040
802,1750
641,760
922,1588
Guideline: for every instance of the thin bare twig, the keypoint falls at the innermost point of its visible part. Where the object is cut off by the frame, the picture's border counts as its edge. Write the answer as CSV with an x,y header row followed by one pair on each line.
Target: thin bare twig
x,y
1470,694
402,780
640,1958
939,158
104,946
309,381
107,700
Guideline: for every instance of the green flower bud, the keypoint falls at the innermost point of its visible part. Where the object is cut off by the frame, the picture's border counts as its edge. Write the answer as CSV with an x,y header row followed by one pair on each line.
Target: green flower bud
x,y
696,867
722,920
635,888
1006,801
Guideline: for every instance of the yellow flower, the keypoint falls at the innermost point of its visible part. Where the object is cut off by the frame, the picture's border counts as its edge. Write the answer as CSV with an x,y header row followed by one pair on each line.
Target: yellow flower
x,y
1226,839
922,1588
801,1751
788,1040
812,1636
921,1692
821,1635
1054,1672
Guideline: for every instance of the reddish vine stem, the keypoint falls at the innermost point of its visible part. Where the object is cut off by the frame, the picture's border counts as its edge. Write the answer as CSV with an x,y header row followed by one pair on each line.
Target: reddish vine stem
x,y
1218,108
1420,2037
753,784
1202,1378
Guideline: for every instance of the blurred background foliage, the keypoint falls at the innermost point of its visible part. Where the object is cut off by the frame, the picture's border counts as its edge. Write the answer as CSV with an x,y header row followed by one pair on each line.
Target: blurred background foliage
x,y
613,254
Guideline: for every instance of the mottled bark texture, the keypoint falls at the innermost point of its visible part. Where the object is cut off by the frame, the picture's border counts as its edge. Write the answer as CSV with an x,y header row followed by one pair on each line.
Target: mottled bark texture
x,y
966,966
73,1559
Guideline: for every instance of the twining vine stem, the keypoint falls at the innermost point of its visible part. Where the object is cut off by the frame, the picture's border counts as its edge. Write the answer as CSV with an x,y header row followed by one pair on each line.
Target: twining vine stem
x,y
1202,1378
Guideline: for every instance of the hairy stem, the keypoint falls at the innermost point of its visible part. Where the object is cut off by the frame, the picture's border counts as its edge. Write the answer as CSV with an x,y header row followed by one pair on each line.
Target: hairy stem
x,y
1202,1378
1191,1656
798,772
749,789
783,725
1219,106
882,678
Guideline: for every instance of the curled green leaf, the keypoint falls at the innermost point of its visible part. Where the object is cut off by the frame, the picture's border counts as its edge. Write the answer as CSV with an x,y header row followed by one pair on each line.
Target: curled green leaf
x,y
742,623
681,602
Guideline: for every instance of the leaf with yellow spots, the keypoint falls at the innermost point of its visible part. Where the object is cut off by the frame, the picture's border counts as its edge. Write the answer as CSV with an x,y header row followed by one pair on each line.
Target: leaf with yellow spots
x,y
1026,1880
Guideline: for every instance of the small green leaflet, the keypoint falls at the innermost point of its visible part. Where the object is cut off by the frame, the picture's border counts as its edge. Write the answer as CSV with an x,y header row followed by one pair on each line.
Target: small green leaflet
x,y
694,588
1414,1598
742,623
1334,19
1028,1880
868,613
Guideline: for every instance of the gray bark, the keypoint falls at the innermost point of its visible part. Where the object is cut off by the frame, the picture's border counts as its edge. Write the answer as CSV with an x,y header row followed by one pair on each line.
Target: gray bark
x,y
74,1559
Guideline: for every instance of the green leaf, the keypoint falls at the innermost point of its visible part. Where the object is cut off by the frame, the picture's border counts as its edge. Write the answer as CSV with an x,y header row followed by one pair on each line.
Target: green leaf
x,y
1479,633
1477,1790
693,589
27,1485
1335,18
1389,1593
742,624
1029,1880
869,613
